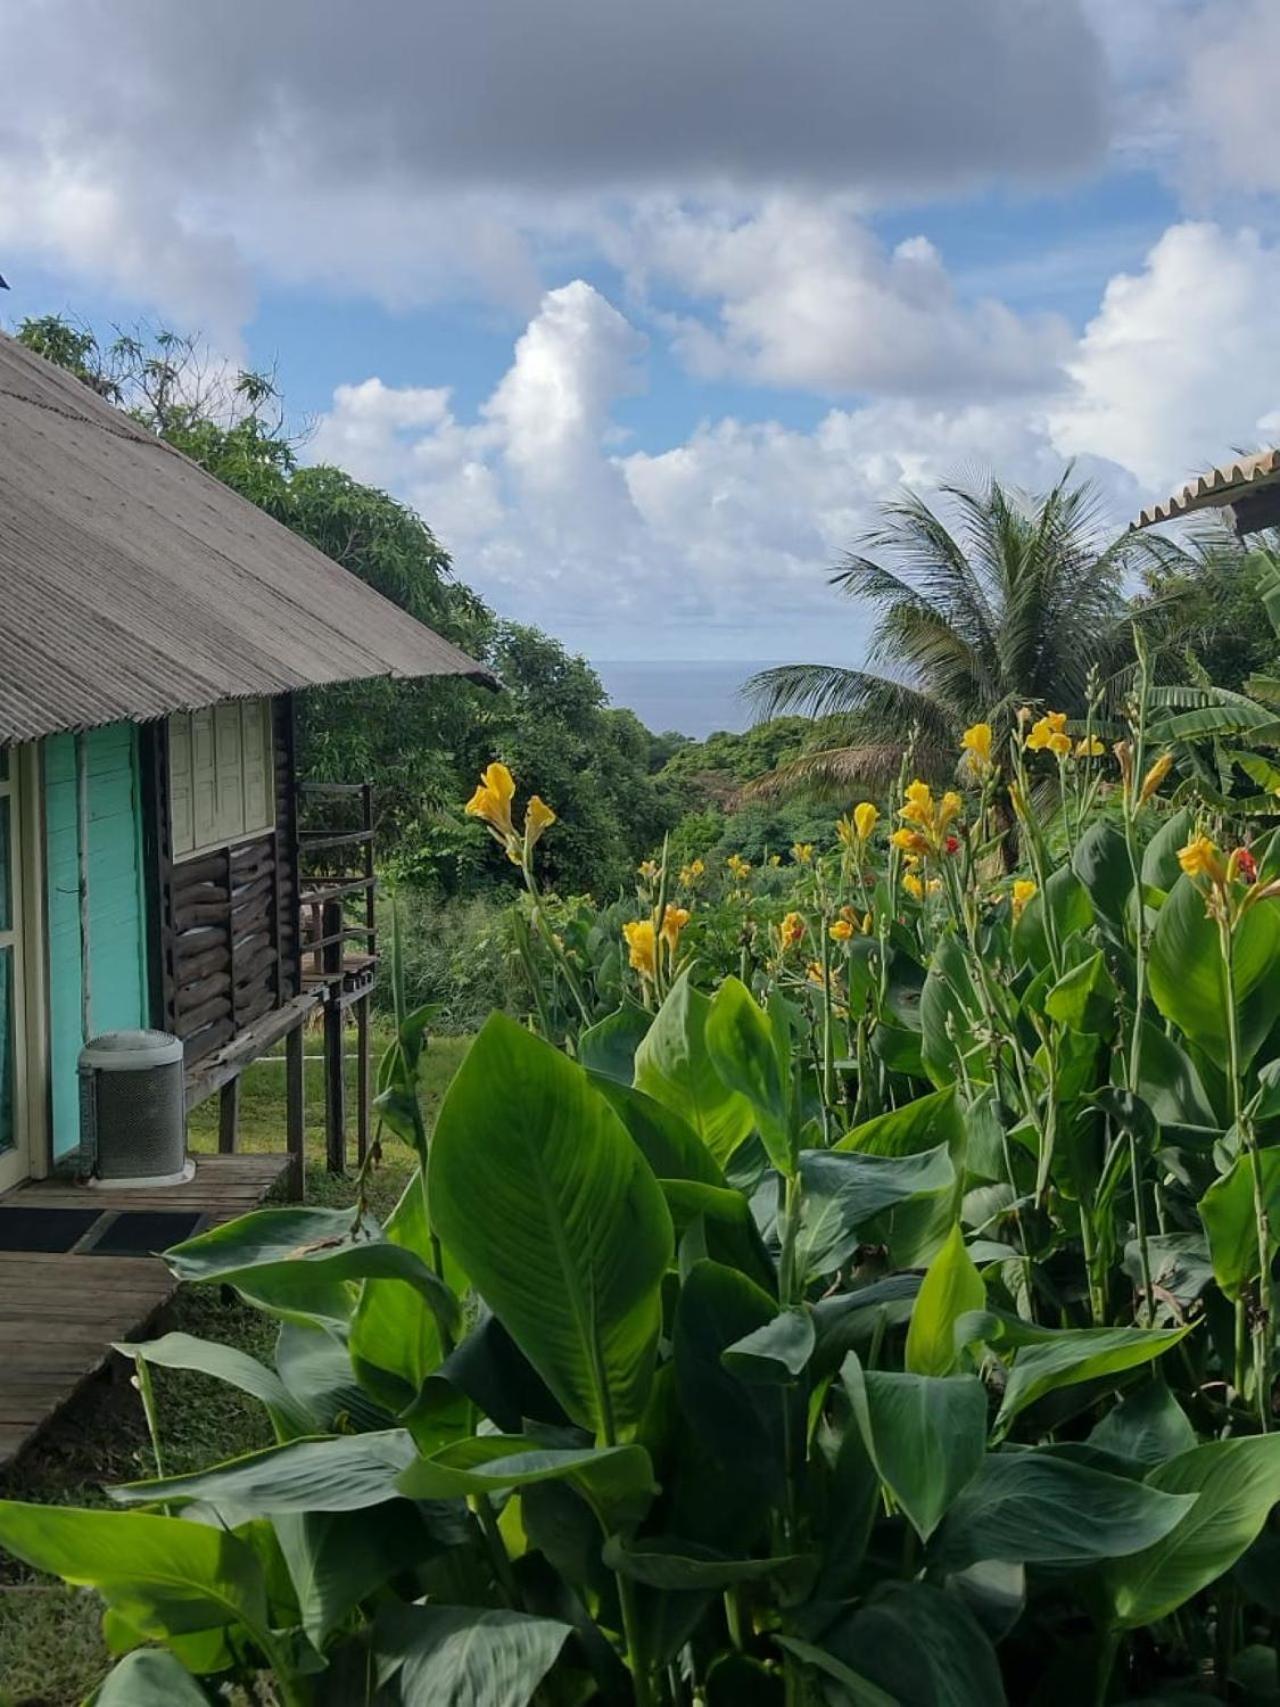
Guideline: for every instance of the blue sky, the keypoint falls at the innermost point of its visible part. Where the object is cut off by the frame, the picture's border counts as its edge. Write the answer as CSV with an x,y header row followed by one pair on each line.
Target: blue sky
x,y
647,309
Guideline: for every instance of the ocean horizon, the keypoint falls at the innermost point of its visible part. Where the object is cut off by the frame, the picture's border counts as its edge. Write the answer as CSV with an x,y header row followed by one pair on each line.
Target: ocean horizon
x,y
693,697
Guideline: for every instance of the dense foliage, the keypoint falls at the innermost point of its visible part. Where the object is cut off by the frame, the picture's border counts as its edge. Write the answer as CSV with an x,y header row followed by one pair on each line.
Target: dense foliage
x,y
852,1283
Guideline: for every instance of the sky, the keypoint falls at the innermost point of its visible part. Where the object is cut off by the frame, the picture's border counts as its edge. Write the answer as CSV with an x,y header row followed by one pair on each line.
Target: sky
x,y
647,308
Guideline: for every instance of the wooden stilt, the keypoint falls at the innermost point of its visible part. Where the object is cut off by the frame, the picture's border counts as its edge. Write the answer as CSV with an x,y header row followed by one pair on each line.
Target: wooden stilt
x,y
295,1109
363,1089
229,1116
335,1090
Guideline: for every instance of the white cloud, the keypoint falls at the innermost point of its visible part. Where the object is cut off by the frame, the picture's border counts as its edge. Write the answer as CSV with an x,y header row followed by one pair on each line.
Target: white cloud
x,y
713,547
807,297
1181,362
716,546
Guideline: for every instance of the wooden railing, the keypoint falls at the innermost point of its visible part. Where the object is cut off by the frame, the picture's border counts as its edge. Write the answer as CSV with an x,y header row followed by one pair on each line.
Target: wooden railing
x,y
338,910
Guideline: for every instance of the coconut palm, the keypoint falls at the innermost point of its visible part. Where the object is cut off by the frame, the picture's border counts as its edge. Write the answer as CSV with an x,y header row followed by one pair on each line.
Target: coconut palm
x,y
1020,602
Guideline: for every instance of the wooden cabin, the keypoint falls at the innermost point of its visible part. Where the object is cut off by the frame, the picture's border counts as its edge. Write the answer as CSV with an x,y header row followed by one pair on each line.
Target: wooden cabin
x,y
155,630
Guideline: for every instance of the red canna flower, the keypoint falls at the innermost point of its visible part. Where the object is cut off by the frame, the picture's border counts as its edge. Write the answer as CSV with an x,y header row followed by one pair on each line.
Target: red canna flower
x,y
1246,866
953,845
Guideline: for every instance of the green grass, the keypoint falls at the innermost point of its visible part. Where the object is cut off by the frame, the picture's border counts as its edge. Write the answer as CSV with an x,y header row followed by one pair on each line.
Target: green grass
x,y
51,1650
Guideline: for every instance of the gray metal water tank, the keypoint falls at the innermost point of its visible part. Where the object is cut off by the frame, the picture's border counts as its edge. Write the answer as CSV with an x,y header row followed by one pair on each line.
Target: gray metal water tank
x,y
133,1123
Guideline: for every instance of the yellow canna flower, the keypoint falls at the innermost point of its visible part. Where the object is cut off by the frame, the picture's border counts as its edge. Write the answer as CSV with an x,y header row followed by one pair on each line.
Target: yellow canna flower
x,y
673,922
1200,858
791,930
813,972
1060,745
917,806
775,860
913,886
1089,747
691,874
1023,891
976,746
1154,777
642,942
738,866
1043,731
648,869
492,799
865,818
802,853
910,841
538,817
948,809
841,930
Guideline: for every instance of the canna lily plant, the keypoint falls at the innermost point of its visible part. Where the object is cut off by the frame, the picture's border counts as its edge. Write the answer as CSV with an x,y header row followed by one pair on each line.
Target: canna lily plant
x,y
876,1305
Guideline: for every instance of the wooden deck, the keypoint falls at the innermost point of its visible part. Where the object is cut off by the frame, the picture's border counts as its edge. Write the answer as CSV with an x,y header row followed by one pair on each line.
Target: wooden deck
x,y
60,1313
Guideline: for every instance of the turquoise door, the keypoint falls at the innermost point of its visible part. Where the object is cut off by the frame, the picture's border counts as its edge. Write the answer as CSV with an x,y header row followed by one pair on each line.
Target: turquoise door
x,y
14,1158
117,947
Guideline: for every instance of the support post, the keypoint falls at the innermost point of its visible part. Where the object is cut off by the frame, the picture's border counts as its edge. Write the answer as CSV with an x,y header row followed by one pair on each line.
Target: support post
x,y
229,1117
295,1109
363,1107
335,1091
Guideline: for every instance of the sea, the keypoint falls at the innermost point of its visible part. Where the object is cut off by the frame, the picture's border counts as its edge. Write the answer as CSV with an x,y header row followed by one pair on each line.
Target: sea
x,y
693,698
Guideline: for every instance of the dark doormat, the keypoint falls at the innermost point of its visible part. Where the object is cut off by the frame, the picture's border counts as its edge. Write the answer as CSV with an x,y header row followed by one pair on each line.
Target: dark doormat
x,y
144,1232
48,1230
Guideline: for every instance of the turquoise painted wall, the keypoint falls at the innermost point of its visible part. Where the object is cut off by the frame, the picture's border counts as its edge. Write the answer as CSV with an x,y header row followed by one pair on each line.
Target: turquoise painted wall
x,y
117,921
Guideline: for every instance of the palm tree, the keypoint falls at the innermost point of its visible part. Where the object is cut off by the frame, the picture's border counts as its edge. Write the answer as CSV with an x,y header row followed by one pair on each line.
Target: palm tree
x,y
1019,603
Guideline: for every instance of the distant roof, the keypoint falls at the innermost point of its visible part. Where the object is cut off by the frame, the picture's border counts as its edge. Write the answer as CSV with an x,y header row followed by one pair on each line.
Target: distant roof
x,y
1219,486
133,584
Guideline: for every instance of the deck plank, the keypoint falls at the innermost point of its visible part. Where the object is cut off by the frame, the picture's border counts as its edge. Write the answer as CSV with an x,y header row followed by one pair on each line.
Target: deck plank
x,y
61,1312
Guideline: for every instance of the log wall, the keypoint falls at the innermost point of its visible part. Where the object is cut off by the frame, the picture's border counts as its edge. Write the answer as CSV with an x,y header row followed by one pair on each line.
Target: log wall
x,y
227,944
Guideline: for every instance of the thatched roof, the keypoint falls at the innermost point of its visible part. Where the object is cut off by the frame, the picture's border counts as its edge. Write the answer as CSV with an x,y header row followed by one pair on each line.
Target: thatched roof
x,y
1236,480
133,584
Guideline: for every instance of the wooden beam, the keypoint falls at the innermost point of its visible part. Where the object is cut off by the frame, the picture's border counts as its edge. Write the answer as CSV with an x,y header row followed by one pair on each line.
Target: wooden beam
x,y
210,1074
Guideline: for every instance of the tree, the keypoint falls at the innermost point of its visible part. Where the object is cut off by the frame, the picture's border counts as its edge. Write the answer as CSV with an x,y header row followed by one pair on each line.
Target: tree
x,y
1016,605
1210,593
552,724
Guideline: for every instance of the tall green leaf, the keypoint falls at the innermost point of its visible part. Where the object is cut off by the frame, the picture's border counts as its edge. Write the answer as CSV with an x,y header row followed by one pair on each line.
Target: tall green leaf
x,y
150,1677
1188,979
747,1056
228,1363
553,1212
919,1645
845,1191
302,1261
162,1575
1227,1210
1235,1483
395,1339
461,1656
1035,1508
1071,1355
674,1066
926,1436
339,1473
951,1286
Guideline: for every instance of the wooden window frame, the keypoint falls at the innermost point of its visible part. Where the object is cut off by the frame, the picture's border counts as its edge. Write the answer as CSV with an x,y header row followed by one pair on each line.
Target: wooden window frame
x,y
182,725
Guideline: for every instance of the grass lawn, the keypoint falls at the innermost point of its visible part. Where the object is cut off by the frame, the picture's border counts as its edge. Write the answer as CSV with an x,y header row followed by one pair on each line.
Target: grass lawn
x,y
51,1650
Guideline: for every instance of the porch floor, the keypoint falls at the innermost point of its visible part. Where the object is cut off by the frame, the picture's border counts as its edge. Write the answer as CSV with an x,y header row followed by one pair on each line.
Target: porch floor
x,y
59,1313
